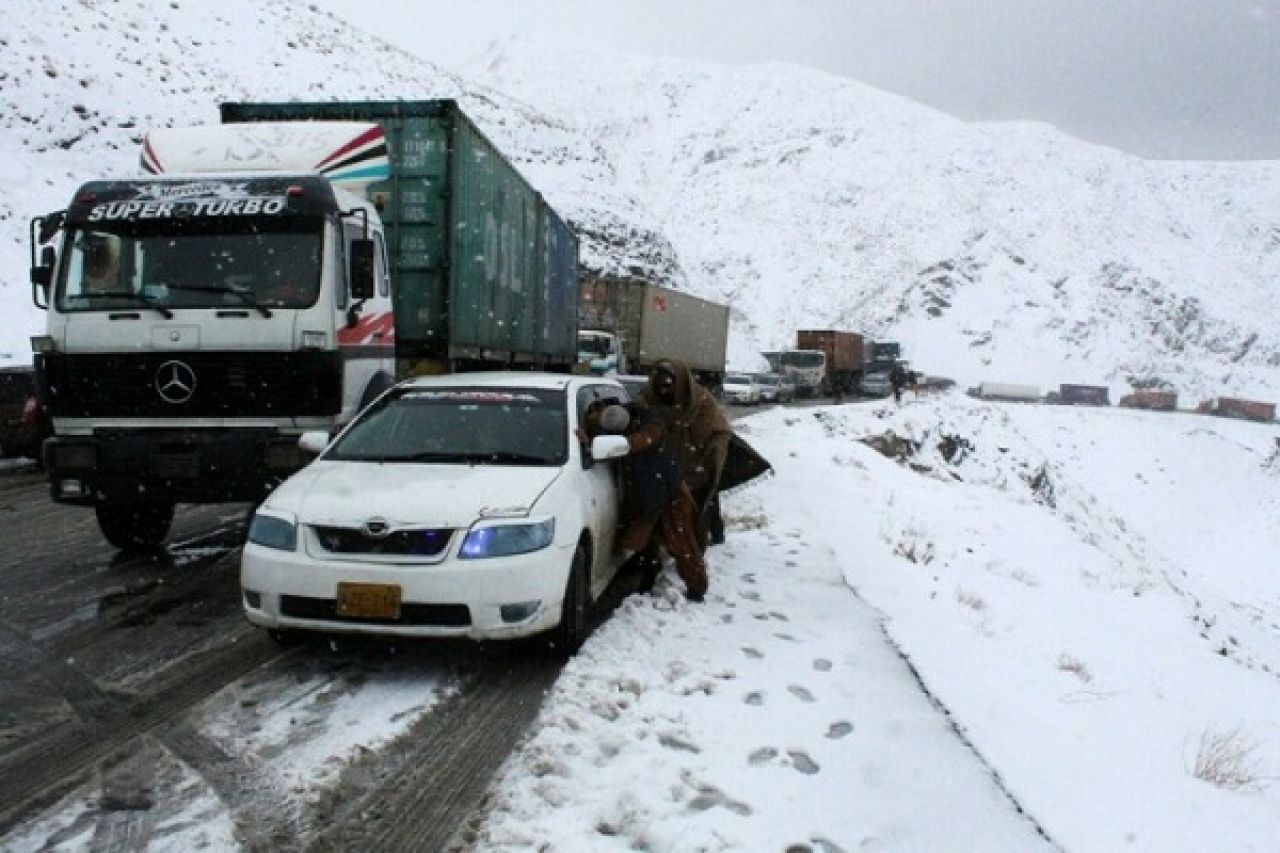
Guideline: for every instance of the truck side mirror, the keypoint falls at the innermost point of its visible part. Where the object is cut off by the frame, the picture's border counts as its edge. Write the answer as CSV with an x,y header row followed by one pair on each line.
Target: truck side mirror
x,y
42,277
362,254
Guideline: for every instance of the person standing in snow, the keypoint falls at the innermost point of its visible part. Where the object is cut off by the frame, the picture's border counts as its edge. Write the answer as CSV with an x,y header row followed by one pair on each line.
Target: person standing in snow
x,y
658,510
701,432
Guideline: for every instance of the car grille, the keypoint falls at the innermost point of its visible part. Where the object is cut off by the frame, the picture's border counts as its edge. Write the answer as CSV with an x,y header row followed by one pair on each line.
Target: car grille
x,y
424,542
326,609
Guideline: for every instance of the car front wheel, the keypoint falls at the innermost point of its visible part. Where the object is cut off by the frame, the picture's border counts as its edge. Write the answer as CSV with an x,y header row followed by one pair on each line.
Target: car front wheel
x,y
575,611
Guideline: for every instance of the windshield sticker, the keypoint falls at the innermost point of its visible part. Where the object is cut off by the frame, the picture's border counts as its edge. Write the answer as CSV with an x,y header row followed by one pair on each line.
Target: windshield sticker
x,y
131,211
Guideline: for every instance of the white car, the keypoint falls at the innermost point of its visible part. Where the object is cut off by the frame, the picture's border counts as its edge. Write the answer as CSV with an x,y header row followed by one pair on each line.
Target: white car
x,y
453,506
740,388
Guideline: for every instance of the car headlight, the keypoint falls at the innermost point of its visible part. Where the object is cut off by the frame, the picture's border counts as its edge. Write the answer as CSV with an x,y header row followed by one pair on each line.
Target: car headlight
x,y
507,539
271,531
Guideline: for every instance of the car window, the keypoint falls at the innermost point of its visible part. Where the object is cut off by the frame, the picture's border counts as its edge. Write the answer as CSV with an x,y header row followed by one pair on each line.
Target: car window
x,y
516,426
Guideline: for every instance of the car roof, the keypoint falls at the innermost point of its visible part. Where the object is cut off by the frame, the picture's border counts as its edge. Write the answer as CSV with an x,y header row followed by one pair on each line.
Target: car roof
x,y
503,378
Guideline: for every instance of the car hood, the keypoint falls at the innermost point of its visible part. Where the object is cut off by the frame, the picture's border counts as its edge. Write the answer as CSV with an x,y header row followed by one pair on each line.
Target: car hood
x,y
350,493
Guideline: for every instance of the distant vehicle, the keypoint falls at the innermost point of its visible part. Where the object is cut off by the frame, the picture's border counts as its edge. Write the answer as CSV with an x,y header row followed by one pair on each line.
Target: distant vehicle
x,y
786,389
770,385
740,388
1080,395
626,324
1233,407
876,384
1150,398
24,421
454,506
1008,391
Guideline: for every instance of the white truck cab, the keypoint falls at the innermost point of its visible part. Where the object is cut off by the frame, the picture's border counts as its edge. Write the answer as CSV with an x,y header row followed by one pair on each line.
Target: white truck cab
x,y
201,318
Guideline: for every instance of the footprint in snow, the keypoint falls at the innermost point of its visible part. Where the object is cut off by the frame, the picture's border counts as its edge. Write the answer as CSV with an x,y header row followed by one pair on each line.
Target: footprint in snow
x,y
755,697
787,637
750,595
781,617
800,693
822,664
790,564
839,729
756,654
678,743
763,755
802,762
749,577
816,845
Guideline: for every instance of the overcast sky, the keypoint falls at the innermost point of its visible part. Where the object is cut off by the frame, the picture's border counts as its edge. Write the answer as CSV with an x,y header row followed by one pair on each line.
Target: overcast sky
x,y
1197,79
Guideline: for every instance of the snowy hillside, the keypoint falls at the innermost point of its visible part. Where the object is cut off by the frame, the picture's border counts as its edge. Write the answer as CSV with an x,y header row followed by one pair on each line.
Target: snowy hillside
x,y
1004,252
80,82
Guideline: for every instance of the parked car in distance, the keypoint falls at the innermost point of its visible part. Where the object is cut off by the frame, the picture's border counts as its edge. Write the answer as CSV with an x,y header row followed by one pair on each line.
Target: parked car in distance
x,y
786,389
768,384
875,384
741,388
24,421
453,506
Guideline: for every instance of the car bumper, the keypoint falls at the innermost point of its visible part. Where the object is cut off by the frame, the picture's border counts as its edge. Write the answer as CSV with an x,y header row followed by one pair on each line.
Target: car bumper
x,y
487,599
745,399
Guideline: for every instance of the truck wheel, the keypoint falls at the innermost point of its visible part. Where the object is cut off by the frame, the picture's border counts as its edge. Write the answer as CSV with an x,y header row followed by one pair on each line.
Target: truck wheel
x,y
575,611
137,526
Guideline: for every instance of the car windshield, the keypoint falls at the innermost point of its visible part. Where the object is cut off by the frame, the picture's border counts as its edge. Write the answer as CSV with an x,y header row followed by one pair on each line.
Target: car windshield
x,y
766,379
488,426
737,379
224,269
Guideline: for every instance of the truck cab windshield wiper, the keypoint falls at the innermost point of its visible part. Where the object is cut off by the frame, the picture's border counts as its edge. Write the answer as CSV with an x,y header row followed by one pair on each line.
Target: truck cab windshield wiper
x,y
127,294
246,298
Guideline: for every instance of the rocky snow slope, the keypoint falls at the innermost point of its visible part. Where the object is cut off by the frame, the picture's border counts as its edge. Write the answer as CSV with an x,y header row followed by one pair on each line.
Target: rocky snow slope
x,y
1002,251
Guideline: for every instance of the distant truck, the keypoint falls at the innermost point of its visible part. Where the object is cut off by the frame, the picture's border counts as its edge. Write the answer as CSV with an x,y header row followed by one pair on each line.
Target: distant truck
x,y
1151,399
885,354
1233,407
824,361
625,325
1008,391
1080,395
272,276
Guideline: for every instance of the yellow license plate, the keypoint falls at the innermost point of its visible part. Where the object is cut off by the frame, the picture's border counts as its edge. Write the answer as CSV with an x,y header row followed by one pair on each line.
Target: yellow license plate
x,y
369,600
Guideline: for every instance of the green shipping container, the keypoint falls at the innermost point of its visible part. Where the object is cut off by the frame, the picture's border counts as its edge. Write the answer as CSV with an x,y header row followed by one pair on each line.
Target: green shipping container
x,y
484,273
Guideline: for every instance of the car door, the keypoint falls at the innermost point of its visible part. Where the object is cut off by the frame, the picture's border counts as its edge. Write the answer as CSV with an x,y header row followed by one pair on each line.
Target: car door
x,y
600,487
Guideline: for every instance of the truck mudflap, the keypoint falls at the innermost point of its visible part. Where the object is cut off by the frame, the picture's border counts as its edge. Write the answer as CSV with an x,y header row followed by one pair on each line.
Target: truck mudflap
x,y
172,466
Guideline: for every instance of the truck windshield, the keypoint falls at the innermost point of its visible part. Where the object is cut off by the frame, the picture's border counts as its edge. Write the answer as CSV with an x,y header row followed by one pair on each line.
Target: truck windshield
x,y
106,270
597,345
803,359
476,426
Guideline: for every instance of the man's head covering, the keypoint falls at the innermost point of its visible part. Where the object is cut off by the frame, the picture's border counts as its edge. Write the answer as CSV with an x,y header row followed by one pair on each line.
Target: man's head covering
x,y
614,419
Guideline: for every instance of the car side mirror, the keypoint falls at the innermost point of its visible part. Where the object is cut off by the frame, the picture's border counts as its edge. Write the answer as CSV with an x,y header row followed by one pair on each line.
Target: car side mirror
x,y
609,447
362,284
313,443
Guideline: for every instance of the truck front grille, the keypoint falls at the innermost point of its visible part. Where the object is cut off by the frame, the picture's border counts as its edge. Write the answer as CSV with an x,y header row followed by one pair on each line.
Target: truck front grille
x,y
222,384
424,542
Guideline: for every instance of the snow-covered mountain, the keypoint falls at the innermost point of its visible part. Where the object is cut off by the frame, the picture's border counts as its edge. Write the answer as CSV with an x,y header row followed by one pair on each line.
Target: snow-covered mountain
x,y
995,251
82,81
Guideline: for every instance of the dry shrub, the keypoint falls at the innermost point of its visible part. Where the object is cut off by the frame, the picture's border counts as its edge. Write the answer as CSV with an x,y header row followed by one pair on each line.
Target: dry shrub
x,y
1226,759
1075,666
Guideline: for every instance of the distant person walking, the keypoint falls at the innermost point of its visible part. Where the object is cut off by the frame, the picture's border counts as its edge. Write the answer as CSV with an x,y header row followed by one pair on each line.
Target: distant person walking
x,y
897,379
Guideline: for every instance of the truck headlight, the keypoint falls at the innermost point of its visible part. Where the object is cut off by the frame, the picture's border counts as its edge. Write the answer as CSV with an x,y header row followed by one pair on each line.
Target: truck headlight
x,y
503,540
271,531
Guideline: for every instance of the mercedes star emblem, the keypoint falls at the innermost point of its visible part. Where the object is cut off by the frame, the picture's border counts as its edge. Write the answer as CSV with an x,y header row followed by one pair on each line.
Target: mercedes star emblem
x,y
175,382
377,528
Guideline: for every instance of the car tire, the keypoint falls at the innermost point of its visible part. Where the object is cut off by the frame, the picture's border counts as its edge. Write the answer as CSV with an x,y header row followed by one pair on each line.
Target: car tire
x,y
134,527
575,611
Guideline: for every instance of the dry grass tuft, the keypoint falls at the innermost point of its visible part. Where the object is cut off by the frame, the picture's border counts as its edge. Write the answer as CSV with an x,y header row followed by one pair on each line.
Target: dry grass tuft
x,y
1226,760
1075,666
